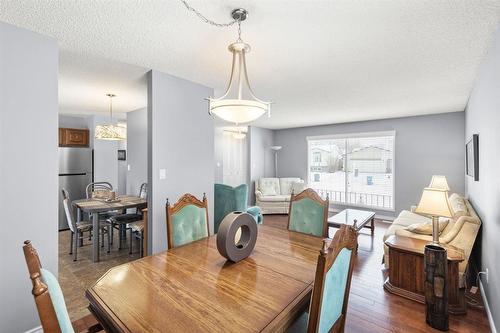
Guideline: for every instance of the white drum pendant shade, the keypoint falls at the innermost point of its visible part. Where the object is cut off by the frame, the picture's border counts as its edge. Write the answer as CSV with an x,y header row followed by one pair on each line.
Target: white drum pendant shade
x,y
232,106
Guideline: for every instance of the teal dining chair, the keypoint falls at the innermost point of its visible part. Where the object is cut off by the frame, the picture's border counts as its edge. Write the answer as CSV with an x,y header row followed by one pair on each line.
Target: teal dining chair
x,y
328,307
308,213
228,199
187,220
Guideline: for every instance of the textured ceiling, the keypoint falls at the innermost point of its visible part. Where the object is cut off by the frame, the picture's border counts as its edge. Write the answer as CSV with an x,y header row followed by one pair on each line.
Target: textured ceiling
x,y
320,61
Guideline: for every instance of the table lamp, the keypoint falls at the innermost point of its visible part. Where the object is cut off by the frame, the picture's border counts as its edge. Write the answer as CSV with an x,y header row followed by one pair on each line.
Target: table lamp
x,y
434,202
440,182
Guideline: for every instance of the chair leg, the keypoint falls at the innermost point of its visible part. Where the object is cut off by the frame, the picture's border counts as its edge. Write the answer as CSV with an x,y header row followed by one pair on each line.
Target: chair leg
x,y
112,233
142,244
109,238
71,242
130,243
76,244
102,237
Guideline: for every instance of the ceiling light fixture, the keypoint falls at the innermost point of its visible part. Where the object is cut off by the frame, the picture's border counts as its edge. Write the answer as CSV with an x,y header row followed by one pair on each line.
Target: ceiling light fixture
x,y
238,104
110,131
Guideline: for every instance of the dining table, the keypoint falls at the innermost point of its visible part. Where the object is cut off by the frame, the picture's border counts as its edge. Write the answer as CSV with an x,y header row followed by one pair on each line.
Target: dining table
x,y
94,206
192,288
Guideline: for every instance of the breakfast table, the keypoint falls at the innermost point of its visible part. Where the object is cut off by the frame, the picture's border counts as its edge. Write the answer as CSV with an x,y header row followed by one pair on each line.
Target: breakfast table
x,y
94,206
192,288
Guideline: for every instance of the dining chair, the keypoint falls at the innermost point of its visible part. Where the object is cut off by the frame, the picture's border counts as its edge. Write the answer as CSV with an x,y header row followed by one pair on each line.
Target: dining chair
x,y
136,231
328,307
99,190
187,220
121,221
78,228
308,213
48,295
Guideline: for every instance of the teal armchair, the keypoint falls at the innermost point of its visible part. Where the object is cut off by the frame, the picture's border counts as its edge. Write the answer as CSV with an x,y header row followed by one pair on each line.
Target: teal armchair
x,y
308,213
230,199
187,220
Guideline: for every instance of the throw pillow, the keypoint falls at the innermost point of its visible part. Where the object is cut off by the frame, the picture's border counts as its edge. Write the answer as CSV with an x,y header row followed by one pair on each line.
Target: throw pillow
x,y
458,206
426,228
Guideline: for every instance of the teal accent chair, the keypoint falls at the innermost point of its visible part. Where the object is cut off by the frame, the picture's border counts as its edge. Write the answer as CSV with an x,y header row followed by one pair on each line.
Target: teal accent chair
x,y
229,199
187,220
48,296
308,213
328,308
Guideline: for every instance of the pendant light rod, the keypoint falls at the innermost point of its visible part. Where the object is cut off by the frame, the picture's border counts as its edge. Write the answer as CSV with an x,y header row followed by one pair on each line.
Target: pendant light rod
x,y
111,105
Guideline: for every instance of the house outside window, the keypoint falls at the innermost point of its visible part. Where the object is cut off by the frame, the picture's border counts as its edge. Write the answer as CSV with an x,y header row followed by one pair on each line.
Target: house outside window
x,y
354,169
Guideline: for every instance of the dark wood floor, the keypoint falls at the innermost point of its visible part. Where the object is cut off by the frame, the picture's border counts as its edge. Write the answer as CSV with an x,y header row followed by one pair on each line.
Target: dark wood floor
x,y
371,309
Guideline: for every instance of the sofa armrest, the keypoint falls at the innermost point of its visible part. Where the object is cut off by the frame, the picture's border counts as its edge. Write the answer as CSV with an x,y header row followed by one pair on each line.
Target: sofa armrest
x,y
258,194
407,233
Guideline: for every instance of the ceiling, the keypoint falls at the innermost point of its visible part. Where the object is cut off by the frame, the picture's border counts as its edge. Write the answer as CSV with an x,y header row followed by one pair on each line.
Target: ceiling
x,y
319,61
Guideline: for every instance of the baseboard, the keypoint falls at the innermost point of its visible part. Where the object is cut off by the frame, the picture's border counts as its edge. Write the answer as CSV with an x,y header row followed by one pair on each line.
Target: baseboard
x,y
35,330
487,308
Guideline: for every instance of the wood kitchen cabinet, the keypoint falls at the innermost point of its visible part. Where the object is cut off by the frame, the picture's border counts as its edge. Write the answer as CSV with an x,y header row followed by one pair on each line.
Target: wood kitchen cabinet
x,y
73,137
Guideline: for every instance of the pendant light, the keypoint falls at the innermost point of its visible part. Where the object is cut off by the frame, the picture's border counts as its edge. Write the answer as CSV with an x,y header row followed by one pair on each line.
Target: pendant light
x,y
238,104
110,131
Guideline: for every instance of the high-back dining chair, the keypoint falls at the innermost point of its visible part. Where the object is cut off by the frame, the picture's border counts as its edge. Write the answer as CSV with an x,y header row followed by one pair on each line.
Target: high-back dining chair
x,y
187,220
48,295
308,213
98,190
332,284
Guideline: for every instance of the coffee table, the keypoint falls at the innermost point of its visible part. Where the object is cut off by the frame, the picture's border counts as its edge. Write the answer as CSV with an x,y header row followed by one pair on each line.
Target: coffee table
x,y
363,219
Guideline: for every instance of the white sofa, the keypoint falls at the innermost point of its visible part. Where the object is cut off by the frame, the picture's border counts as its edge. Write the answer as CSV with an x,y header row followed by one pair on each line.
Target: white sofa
x,y
461,230
272,195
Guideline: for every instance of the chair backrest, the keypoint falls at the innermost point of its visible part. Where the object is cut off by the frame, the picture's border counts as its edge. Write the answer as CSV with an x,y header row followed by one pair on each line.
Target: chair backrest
x,y
143,191
308,213
228,199
48,296
67,210
98,190
328,306
187,220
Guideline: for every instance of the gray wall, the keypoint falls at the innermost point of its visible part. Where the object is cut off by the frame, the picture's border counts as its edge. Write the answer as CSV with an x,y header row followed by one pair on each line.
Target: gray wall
x,y
219,154
28,167
105,155
425,146
181,141
137,149
261,157
483,118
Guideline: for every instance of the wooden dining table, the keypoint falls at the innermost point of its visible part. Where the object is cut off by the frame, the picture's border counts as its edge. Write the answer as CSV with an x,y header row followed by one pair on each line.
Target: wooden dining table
x,y
193,288
95,206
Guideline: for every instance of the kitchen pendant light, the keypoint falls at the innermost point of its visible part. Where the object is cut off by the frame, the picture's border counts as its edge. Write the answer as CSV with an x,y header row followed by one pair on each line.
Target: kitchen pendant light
x,y
238,104
110,131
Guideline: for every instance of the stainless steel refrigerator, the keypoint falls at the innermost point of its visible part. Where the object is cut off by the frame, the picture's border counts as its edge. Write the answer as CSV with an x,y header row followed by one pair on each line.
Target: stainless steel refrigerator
x,y
75,173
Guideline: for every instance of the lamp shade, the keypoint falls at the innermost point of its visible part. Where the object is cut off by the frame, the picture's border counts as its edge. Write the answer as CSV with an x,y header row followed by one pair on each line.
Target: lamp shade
x,y
439,182
434,202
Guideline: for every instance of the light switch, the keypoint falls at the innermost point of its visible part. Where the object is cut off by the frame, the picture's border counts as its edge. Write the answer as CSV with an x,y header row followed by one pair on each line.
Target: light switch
x,y
218,164
128,167
163,173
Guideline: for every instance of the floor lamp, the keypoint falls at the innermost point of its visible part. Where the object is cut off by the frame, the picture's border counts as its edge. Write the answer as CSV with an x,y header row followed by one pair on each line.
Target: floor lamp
x,y
276,149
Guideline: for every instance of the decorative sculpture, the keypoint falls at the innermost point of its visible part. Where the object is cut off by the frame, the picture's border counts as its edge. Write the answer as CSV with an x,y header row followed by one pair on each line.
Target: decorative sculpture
x,y
237,236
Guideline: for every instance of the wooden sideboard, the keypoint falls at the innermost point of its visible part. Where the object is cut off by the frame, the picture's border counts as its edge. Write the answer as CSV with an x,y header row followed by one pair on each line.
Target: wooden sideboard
x,y
407,276
73,137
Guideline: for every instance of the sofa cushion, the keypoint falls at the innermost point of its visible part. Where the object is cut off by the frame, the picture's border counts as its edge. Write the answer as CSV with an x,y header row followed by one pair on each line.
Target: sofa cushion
x,y
275,198
426,228
269,186
458,206
298,187
286,185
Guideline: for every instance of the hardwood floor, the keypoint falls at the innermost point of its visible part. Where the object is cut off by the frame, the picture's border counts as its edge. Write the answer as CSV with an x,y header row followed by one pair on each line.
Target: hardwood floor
x,y
371,309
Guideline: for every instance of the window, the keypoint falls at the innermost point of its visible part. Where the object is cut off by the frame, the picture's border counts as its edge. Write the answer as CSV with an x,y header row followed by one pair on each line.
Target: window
x,y
354,169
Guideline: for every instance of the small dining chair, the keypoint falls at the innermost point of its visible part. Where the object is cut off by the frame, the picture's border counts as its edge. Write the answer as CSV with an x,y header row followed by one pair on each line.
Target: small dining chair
x,y
187,220
78,228
48,295
332,283
308,213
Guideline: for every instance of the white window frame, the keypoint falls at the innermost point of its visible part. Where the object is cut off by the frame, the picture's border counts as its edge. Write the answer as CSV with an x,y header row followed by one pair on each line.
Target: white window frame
x,y
358,135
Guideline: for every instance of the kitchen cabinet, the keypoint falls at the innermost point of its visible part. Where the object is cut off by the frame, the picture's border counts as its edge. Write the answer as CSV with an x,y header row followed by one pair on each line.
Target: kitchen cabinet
x,y
73,137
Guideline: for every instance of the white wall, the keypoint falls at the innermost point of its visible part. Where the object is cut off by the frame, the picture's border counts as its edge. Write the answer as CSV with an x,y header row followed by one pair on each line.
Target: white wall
x,y
261,157
483,118
181,141
137,149
425,146
28,167
105,155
